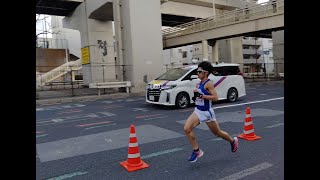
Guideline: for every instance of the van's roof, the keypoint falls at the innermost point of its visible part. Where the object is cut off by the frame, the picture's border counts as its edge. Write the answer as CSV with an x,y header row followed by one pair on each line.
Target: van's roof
x,y
191,66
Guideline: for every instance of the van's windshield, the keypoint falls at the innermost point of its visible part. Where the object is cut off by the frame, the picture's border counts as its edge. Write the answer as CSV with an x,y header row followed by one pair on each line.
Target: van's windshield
x,y
173,74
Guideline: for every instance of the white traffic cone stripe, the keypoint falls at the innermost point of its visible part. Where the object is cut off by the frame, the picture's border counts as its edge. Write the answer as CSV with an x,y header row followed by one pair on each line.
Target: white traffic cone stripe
x,y
134,155
248,123
133,135
248,115
133,144
248,132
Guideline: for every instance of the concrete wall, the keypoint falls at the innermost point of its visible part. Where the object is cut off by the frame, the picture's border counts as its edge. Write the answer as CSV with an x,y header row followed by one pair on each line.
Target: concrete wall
x,y
142,41
48,59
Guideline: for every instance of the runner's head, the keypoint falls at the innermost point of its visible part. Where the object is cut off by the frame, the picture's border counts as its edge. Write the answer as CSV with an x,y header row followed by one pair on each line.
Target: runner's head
x,y
204,68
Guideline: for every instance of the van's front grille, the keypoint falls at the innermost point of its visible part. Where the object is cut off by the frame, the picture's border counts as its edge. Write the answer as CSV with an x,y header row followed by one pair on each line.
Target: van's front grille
x,y
155,93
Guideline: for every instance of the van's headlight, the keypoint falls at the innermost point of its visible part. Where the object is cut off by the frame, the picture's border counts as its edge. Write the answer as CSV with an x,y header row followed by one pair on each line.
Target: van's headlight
x,y
168,87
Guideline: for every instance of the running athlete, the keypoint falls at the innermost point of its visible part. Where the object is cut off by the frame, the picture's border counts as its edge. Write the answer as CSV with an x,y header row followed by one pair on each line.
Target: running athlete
x,y
203,112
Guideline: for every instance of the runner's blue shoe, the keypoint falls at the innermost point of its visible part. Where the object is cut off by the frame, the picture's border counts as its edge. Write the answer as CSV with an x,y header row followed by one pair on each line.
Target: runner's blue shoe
x,y
195,155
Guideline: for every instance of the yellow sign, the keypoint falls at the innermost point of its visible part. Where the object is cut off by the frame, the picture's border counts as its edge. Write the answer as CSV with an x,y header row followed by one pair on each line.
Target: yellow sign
x,y
85,55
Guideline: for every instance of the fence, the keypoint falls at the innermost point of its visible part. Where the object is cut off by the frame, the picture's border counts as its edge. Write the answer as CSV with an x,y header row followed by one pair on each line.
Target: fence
x,y
262,71
71,83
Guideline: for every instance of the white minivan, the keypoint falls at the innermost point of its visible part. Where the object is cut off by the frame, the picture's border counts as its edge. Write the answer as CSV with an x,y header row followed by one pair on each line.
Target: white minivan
x,y
175,87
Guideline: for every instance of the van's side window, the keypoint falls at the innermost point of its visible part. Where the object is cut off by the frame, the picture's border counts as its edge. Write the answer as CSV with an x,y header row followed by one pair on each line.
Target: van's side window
x,y
187,77
217,71
231,70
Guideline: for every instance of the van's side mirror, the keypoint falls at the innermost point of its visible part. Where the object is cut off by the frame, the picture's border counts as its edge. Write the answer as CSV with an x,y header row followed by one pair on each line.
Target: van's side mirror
x,y
194,77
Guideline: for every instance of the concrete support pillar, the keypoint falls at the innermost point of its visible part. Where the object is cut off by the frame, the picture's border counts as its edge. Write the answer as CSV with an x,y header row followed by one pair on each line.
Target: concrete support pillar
x,y
215,52
205,50
101,67
231,51
236,54
118,39
214,7
278,51
141,45
215,48
96,41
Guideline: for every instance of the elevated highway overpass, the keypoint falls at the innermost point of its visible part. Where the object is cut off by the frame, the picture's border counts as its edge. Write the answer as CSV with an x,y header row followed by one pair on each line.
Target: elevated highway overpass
x,y
254,20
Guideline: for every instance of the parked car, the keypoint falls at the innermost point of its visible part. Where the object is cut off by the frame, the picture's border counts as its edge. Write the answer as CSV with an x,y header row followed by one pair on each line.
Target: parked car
x,y
175,87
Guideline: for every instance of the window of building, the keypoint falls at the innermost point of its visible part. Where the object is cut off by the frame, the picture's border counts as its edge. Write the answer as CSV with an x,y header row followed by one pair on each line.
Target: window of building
x,y
184,54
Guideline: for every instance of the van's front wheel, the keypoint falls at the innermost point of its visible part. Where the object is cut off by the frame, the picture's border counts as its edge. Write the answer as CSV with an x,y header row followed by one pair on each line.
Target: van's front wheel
x,y
232,95
182,100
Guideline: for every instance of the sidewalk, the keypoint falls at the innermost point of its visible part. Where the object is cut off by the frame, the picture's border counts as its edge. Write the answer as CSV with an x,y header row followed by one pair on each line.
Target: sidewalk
x,y
114,95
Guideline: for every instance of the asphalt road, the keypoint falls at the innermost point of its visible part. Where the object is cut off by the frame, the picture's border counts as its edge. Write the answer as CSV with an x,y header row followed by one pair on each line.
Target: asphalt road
x,y
88,140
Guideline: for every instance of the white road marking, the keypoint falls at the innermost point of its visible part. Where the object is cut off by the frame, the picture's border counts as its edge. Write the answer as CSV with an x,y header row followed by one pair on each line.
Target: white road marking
x,y
275,125
140,109
99,126
108,114
69,117
252,102
219,139
67,176
46,124
107,102
161,153
248,171
159,117
42,135
59,107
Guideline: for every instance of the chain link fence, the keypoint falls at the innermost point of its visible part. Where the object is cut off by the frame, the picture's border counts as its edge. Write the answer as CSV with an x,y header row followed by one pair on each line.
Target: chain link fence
x,y
70,84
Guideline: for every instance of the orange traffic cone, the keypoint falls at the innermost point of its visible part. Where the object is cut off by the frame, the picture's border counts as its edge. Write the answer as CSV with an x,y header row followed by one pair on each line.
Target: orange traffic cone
x,y
248,131
133,162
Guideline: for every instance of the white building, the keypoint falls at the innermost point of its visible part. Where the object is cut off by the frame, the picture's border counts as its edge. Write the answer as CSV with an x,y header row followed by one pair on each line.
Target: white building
x,y
267,47
69,36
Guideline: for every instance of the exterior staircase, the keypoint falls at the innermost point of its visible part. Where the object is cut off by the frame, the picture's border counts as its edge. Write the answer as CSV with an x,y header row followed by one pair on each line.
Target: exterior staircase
x,y
58,72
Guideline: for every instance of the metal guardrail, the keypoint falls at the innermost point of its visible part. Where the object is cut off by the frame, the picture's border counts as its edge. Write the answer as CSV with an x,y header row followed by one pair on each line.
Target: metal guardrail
x,y
232,17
